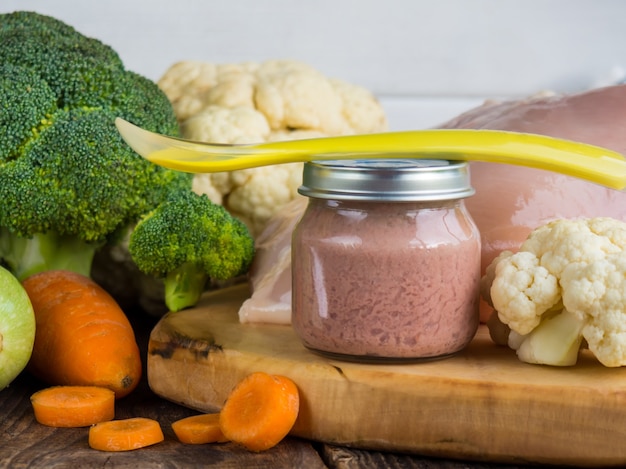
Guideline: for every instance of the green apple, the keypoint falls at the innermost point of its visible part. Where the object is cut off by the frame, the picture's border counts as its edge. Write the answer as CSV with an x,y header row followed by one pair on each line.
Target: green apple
x,y
17,328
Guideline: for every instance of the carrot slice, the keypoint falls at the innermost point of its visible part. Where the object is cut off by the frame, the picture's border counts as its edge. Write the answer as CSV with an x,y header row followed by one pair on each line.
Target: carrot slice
x,y
73,406
125,435
260,411
199,429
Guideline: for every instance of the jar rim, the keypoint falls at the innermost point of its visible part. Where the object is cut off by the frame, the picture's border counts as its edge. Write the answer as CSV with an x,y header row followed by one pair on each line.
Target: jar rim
x,y
390,179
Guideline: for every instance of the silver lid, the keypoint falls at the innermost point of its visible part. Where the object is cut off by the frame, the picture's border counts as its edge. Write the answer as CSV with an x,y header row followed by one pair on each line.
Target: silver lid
x,y
386,180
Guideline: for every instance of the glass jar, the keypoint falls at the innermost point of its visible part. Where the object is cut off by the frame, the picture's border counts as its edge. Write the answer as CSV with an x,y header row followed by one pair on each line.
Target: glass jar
x,y
386,260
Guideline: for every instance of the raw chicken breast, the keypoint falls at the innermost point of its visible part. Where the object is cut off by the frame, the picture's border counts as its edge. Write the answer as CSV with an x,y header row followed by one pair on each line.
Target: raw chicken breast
x,y
510,201
270,274
596,117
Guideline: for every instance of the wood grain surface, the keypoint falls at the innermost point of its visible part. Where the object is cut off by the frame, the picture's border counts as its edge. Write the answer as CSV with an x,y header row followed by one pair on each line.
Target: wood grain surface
x,y
482,404
25,444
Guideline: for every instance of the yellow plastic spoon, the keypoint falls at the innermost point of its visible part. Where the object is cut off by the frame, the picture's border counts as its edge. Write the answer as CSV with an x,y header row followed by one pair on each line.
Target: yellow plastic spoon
x,y
589,162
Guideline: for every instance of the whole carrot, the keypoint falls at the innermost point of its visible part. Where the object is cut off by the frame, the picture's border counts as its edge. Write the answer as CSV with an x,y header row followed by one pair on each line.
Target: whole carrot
x,y
82,336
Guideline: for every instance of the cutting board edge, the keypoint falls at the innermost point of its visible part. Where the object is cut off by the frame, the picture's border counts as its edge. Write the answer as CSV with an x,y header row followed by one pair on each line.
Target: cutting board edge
x,y
477,440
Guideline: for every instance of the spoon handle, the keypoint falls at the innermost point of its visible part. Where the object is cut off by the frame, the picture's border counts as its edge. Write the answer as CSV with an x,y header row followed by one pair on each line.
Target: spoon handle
x,y
589,162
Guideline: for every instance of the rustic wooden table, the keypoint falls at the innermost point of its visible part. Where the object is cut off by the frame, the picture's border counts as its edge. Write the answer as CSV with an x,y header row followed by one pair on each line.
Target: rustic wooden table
x,y
26,444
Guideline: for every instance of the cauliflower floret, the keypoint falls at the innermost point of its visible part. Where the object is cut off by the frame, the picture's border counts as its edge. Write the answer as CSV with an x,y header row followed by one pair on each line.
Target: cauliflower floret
x,y
263,102
296,96
565,286
185,84
190,85
254,200
363,113
597,292
213,185
563,242
523,290
219,124
490,275
235,88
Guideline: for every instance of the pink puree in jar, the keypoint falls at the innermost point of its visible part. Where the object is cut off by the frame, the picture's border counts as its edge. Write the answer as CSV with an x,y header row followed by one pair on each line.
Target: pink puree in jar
x,y
386,280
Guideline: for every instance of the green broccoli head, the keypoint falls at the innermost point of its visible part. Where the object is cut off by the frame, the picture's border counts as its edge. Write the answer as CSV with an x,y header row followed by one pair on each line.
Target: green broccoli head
x,y
65,172
188,240
79,178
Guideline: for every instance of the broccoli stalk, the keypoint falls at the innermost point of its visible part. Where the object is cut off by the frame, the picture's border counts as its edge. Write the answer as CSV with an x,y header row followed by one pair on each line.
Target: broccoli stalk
x,y
188,240
50,251
68,181
184,286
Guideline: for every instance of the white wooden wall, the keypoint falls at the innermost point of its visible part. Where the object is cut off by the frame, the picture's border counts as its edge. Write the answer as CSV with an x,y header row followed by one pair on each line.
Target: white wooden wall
x,y
427,60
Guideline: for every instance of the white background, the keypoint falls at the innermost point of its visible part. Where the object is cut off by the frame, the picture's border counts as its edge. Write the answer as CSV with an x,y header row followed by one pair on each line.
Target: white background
x,y
426,60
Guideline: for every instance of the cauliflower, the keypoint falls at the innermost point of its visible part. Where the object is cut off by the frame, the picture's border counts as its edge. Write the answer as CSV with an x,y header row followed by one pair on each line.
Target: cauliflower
x,y
563,290
244,103
263,102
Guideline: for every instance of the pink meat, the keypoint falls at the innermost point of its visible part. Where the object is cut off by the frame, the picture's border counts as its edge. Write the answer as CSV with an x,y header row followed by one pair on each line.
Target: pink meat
x,y
510,201
270,274
596,117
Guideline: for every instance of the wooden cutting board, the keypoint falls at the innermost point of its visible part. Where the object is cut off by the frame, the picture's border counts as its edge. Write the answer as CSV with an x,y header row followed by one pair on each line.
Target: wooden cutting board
x,y
482,404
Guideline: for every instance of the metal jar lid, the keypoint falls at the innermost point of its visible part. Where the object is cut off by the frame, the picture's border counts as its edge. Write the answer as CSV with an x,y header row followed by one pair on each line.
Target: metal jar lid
x,y
387,180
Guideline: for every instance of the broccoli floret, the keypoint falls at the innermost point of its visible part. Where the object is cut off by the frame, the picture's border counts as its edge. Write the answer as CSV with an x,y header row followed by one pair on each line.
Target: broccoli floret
x,y
20,20
188,240
80,71
145,105
30,101
68,182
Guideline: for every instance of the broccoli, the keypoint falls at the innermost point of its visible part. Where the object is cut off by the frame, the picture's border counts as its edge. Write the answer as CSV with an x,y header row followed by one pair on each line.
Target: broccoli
x,y
188,240
68,182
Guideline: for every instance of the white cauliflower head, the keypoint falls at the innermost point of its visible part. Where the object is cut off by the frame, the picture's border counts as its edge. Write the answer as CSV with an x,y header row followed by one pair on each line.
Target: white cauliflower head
x,y
262,102
567,282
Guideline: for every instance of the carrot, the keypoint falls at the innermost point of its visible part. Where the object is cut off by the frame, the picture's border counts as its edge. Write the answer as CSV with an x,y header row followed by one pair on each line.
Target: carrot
x,y
73,406
199,429
125,435
82,336
260,411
